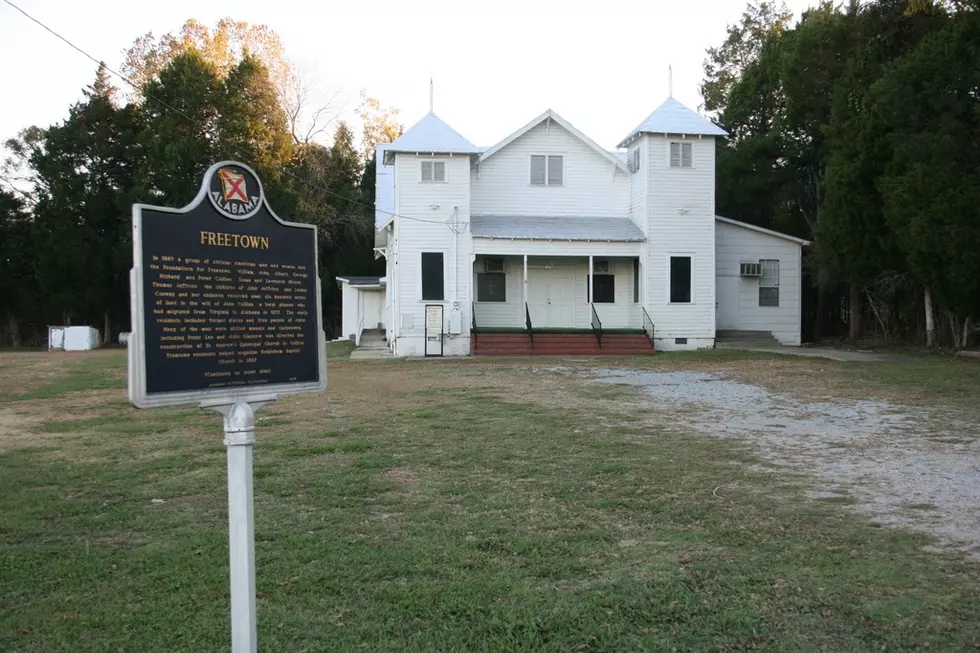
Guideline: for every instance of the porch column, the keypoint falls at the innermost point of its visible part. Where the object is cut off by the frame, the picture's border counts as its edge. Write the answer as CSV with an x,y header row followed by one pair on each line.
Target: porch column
x,y
590,279
525,278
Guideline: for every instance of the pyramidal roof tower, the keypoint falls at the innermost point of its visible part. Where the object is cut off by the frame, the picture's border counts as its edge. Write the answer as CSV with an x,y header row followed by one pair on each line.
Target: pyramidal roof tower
x,y
672,117
430,135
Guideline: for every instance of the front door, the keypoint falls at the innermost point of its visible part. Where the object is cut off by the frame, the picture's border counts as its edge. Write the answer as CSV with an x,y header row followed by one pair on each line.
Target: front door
x,y
726,294
551,297
371,301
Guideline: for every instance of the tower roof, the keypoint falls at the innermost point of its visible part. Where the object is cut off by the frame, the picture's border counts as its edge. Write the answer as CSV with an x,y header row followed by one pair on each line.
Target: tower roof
x,y
432,136
672,117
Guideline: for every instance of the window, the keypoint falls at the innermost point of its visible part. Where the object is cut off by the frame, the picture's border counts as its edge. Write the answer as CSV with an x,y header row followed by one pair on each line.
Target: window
x,y
769,283
681,155
633,161
680,279
433,171
636,281
547,170
432,276
603,289
491,287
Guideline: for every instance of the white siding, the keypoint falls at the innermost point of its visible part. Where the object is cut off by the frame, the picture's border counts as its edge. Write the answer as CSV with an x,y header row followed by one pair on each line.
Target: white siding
x,y
425,209
593,185
384,187
681,222
349,315
638,185
623,313
736,244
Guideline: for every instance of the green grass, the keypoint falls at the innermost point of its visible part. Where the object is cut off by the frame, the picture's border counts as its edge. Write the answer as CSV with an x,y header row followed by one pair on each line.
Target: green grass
x,y
339,349
472,523
940,378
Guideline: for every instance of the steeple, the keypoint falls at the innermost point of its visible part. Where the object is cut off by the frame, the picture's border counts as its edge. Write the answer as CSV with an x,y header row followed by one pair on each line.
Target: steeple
x,y
672,117
431,135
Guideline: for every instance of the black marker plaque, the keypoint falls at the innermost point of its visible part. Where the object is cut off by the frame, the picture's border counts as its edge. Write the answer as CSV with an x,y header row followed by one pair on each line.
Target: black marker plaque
x,y
229,295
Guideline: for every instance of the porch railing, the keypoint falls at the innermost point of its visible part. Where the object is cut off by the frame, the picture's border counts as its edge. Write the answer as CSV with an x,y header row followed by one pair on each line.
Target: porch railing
x,y
596,326
473,335
527,324
647,325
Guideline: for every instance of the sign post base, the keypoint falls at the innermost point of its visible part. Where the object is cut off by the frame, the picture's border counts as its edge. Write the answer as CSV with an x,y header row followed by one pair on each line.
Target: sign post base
x,y
239,423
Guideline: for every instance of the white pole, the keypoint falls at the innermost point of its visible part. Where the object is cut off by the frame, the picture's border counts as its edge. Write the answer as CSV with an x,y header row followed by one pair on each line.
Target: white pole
x,y
239,438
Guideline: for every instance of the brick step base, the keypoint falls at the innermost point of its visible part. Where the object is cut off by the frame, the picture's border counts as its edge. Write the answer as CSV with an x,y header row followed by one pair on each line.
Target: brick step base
x,y
560,344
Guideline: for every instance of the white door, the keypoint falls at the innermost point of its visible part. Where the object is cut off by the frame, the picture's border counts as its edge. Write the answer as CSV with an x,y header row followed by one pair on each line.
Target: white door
x,y
551,298
726,294
371,301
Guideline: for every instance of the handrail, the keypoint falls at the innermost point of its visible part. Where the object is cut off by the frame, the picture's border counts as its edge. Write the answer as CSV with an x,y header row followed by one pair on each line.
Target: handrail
x,y
648,325
473,323
527,324
360,330
596,325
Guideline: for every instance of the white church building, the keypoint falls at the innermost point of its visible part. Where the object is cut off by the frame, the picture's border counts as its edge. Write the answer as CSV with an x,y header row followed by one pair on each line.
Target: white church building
x,y
548,243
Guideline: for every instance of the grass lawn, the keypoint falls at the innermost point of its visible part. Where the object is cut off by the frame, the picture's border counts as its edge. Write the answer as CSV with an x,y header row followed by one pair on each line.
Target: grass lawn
x,y
438,506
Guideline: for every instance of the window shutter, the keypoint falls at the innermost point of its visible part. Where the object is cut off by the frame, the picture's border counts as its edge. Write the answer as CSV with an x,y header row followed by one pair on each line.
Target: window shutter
x,y
427,171
687,159
439,171
537,170
555,171
675,155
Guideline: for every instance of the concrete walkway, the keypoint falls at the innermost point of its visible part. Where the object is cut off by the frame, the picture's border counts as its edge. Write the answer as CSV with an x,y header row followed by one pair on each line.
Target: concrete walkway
x,y
822,352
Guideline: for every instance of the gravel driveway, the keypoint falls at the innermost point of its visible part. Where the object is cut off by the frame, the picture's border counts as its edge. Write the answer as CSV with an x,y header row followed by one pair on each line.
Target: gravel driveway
x,y
905,467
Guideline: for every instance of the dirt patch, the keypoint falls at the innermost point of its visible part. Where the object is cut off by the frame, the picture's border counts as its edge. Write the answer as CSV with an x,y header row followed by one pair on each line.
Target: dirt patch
x,y
21,372
885,455
17,429
402,477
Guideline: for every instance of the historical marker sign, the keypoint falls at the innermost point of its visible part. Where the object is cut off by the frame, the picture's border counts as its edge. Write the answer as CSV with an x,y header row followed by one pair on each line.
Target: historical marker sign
x,y
226,298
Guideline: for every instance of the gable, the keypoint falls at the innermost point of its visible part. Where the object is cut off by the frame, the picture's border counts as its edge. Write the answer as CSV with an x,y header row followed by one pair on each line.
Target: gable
x,y
549,118
592,185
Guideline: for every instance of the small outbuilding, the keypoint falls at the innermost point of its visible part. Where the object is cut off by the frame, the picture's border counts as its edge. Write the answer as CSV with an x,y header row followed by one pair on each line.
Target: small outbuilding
x,y
758,275
364,305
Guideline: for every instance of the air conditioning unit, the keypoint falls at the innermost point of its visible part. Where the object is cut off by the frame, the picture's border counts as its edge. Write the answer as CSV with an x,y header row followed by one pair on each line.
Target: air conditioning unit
x,y
600,267
493,264
750,269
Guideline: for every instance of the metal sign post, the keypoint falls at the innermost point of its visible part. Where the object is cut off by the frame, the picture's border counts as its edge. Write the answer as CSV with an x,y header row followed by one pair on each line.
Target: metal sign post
x,y
239,422
226,314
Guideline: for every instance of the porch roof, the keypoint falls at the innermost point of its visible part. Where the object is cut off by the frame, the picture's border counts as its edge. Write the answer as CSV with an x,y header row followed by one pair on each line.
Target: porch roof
x,y
369,282
548,228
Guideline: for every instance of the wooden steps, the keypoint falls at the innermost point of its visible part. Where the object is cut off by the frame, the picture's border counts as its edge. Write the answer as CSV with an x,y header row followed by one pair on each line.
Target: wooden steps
x,y
560,344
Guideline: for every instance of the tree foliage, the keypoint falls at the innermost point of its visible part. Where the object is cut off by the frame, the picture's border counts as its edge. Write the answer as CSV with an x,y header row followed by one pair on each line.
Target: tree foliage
x,y
66,191
380,123
855,127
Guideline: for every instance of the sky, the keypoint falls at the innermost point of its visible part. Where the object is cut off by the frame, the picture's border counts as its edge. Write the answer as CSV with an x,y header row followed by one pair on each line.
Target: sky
x,y
495,65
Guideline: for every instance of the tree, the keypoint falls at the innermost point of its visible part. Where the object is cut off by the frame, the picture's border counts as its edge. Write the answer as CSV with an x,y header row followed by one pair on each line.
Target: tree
x,y
929,104
16,176
85,173
223,47
252,126
380,124
18,284
854,243
726,63
180,134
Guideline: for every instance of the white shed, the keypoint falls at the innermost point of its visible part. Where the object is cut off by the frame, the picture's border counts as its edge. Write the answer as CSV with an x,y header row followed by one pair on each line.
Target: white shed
x,y
758,275
363,305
